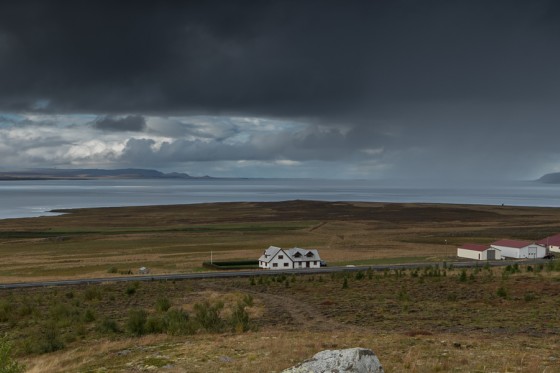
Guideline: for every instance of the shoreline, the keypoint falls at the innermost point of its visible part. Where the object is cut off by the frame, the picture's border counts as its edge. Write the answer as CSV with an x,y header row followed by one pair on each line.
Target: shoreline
x,y
36,198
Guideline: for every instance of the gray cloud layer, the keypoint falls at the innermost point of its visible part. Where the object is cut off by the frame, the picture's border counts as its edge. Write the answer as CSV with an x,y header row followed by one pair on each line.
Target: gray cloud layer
x,y
309,58
443,87
135,123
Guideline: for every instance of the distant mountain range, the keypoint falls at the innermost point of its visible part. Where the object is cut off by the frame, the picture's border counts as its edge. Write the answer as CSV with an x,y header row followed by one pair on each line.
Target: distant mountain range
x,y
552,178
86,174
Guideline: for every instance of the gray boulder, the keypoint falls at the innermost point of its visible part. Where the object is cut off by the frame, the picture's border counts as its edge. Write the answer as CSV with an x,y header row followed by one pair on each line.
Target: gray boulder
x,y
351,360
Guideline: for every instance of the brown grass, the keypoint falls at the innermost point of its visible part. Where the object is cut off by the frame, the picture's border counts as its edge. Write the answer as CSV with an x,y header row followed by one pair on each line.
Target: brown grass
x,y
175,239
414,324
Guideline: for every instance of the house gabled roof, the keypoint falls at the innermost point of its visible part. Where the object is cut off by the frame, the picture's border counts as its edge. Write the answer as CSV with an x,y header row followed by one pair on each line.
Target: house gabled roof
x,y
476,247
269,254
303,255
550,240
512,243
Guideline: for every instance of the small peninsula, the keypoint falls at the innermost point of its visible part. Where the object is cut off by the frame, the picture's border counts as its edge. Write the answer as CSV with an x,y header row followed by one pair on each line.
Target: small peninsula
x,y
551,178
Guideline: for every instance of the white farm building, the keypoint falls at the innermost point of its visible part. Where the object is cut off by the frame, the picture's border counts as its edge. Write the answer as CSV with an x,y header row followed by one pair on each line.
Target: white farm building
x,y
552,243
519,249
479,252
277,258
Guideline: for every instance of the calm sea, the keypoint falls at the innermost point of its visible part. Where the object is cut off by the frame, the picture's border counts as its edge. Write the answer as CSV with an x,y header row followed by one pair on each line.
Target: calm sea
x,y
36,198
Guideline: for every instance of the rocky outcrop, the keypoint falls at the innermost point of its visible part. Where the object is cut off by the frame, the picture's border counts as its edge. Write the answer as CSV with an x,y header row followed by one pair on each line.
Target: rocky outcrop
x,y
351,360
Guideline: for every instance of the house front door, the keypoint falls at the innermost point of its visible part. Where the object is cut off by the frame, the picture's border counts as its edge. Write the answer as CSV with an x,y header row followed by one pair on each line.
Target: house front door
x,y
491,255
307,264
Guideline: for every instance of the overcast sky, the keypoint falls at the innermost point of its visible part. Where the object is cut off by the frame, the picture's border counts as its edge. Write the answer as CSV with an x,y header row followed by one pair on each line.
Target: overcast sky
x,y
374,89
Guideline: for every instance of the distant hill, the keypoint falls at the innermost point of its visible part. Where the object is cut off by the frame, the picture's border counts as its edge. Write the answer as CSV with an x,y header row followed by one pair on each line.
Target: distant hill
x,y
552,178
85,174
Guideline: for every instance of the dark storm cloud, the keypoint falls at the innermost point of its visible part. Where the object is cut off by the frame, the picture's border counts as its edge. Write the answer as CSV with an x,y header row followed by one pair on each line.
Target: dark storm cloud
x,y
306,58
135,123
444,87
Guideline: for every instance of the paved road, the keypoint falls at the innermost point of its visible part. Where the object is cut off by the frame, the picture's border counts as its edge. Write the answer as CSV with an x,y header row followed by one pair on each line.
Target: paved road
x,y
227,274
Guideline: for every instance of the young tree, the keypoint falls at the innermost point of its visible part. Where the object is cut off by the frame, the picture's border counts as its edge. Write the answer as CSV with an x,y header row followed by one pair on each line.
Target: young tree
x,y
7,363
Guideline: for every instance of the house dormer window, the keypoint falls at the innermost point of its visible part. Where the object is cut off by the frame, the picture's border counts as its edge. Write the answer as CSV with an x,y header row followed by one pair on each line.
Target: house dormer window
x,y
297,255
309,254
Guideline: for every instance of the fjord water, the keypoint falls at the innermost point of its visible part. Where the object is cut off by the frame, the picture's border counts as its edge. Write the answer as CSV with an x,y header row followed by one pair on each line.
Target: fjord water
x,y
37,198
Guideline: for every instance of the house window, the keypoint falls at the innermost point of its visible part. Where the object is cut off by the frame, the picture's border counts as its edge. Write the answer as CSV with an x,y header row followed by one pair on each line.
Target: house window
x,y
285,264
297,255
315,263
275,264
280,256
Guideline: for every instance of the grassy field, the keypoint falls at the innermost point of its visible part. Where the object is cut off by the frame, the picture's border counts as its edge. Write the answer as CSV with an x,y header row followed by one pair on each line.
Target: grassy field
x,y
177,239
433,320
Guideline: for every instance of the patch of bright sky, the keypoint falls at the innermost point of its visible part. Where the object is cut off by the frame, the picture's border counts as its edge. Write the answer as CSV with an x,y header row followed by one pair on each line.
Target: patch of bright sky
x,y
34,140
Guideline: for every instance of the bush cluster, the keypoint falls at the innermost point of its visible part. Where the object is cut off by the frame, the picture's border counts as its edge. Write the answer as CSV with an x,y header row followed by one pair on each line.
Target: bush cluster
x,y
207,316
51,320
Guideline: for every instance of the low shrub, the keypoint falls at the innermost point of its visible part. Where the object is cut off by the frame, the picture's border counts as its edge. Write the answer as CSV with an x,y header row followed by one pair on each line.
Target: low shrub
x,y
93,293
113,269
155,324
248,300
47,340
88,315
130,290
108,325
64,313
207,315
6,310
529,297
501,292
177,322
239,319
136,323
27,308
162,304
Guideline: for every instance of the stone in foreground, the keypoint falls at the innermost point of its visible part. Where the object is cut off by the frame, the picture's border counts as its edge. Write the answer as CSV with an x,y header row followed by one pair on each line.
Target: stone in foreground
x,y
351,360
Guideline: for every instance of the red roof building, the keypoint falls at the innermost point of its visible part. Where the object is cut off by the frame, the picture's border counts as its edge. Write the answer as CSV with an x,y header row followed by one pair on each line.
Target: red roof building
x,y
520,249
512,243
552,243
475,247
478,252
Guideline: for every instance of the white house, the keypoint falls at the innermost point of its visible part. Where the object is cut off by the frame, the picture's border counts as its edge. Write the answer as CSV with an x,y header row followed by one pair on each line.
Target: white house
x,y
519,249
479,252
303,258
552,243
277,258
